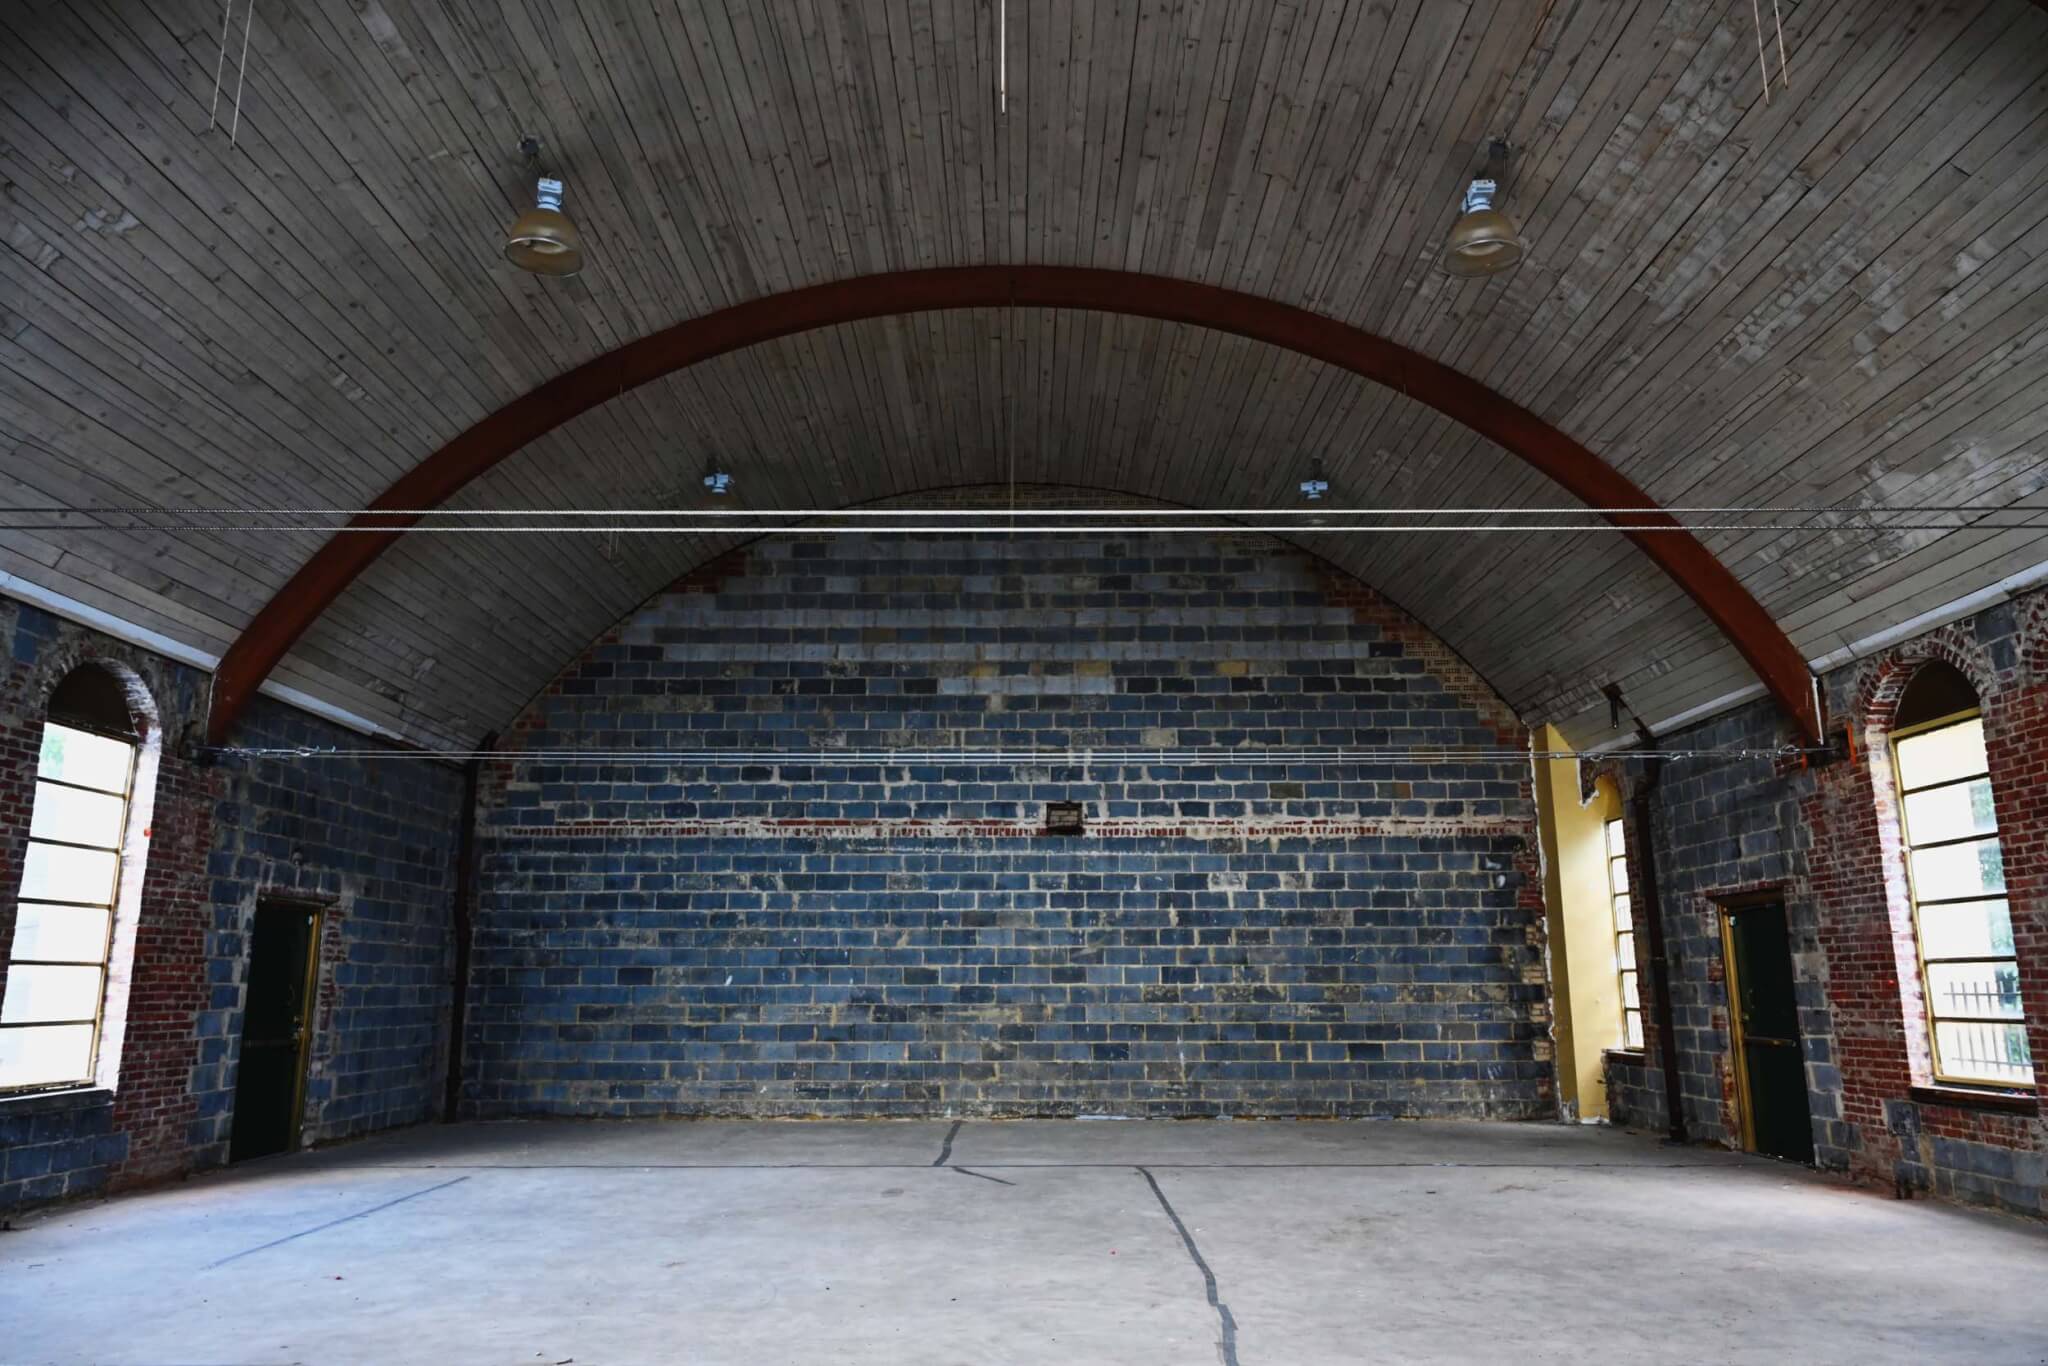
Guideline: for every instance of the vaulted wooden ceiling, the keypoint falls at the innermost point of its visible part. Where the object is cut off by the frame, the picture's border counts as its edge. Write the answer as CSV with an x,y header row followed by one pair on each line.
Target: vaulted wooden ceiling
x,y
1836,296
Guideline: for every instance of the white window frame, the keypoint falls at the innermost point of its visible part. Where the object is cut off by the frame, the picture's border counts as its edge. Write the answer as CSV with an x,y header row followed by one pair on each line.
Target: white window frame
x,y
1625,970
111,906
1934,1015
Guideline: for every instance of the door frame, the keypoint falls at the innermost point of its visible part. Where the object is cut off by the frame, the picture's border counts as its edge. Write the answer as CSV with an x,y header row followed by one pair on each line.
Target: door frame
x,y
1725,909
317,909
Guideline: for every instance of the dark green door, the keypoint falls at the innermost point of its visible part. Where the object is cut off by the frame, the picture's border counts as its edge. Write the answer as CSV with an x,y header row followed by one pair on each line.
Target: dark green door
x,y
1774,1065
274,1025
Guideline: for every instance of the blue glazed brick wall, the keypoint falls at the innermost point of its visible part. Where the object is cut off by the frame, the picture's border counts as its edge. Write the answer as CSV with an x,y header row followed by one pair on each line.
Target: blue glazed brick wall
x,y
372,841
871,936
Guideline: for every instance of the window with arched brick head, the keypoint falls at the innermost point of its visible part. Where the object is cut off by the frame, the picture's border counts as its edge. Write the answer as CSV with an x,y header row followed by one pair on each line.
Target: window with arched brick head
x,y
1955,873
81,854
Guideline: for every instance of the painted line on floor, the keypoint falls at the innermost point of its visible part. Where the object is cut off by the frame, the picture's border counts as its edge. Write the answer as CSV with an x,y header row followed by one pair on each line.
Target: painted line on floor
x,y
946,1149
1226,1343
331,1223
984,1176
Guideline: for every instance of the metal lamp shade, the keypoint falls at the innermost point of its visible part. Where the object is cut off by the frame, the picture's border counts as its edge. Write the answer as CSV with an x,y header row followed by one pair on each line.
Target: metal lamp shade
x,y
1482,242
545,242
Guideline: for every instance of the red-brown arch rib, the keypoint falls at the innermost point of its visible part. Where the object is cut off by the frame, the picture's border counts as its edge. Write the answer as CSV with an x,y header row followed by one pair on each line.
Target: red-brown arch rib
x,y
286,617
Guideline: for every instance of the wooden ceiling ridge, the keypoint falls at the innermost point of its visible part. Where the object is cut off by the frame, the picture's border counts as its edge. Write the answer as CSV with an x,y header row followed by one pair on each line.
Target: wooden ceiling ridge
x,y
337,564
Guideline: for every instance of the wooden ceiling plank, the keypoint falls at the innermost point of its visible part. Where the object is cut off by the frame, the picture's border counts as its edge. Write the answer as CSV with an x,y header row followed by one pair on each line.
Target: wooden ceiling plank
x,y
1704,292
1637,443
1765,298
271,338
403,246
337,250
133,378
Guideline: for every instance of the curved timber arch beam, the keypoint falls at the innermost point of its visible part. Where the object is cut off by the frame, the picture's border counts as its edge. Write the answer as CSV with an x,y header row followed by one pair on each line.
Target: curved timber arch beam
x,y
322,579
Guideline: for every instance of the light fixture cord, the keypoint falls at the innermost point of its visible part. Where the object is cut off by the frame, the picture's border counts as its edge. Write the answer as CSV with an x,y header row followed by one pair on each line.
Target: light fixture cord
x,y
1762,63
1784,67
227,15
248,22
1002,56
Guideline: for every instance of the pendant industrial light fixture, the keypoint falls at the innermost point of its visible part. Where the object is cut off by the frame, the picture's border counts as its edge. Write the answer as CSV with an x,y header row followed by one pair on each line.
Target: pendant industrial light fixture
x,y
1483,241
543,240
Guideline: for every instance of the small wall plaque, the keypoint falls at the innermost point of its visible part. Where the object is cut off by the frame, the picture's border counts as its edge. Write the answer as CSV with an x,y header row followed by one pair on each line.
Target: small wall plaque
x,y
1063,818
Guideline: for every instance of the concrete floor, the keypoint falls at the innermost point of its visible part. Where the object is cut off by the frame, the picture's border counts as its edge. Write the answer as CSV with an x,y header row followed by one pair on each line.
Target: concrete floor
x,y
1053,1242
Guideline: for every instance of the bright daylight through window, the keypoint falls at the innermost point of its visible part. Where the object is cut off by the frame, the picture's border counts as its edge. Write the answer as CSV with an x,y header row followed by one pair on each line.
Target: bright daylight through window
x,y
57,972
1624,935
1956,870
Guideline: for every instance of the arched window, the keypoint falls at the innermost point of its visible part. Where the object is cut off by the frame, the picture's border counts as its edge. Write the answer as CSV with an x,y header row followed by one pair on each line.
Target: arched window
x,y
53,1012
1955,872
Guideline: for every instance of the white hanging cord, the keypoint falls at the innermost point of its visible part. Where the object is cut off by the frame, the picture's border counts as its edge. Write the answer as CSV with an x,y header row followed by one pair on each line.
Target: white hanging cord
x,y
1762,64
1784,69
1003,56
227,14
248,22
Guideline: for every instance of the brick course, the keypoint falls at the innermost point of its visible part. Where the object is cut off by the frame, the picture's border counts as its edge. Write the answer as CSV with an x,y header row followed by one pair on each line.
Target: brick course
x,y
821,937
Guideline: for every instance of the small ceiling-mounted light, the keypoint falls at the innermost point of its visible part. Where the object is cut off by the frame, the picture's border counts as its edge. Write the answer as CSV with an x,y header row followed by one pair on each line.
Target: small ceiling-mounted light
x,y
1483,241
544,240
1317,486
717,481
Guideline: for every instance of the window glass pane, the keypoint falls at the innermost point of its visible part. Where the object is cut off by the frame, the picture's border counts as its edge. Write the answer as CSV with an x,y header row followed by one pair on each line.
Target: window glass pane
x,y
52,872
65,813
1972,989
46,1055
1633,1029
1617,839
1936,756
1630,996
40,994
1950,813
1968,929
1625,951
60,934
1624,918
78,756
1984,1052
1958,870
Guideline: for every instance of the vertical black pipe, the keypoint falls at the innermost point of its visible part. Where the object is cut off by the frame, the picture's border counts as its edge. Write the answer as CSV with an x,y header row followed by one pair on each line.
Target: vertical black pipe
x,y
465,896
1652,909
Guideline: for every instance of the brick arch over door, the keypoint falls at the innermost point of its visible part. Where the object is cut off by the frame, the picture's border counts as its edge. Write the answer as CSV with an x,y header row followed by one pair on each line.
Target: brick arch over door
x,y
274,630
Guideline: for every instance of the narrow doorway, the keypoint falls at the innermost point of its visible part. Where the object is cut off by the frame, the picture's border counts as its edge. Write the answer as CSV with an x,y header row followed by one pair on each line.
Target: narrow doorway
x,y
270,1084
1770,1064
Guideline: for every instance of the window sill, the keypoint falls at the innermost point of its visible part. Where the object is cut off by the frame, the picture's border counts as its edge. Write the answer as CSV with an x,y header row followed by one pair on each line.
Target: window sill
x,y
1970,1098
1635,1057
40,1102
